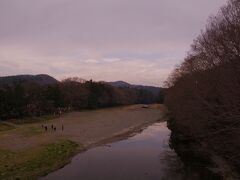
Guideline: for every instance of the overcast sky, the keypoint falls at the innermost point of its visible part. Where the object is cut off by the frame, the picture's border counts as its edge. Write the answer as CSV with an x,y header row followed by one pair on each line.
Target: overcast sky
x,y
138,41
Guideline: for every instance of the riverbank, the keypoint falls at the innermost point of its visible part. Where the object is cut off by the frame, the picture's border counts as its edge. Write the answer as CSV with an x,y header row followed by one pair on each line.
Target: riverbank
x,y
203,153
82,130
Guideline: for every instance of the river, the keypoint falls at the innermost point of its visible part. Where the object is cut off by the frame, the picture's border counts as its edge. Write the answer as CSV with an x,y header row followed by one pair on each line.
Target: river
x,y
145,155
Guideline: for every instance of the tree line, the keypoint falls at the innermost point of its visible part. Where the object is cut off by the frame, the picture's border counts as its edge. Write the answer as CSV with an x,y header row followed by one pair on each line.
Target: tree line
x,y
23,99
204,91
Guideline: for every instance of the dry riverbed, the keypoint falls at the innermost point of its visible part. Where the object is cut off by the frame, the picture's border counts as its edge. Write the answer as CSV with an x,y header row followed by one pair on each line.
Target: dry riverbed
x,y
27,151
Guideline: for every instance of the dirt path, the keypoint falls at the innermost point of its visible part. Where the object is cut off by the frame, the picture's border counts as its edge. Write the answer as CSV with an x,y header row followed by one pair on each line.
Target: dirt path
x,y
86,127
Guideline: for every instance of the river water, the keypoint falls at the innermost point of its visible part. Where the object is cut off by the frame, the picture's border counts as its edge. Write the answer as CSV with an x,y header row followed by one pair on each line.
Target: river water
x,y
145,155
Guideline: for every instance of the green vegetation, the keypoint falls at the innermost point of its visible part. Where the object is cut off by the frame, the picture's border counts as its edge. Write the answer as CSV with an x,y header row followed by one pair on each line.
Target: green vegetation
x,y
31,131
6,127
32,163
35,119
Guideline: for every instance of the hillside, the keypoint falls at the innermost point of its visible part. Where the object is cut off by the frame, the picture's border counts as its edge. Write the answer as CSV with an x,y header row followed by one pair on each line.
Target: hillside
x,y
122,84
41,79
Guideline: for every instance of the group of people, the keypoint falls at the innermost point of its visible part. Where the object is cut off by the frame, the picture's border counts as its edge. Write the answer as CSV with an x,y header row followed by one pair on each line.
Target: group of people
x,y
58,112
52,127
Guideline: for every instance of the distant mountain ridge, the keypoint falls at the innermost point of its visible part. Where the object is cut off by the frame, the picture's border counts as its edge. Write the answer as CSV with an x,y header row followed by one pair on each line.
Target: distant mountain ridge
x,y
119,84
123,84
42,79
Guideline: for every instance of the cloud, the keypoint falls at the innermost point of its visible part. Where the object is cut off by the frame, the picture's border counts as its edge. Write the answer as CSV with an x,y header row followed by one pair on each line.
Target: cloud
x,y
99,39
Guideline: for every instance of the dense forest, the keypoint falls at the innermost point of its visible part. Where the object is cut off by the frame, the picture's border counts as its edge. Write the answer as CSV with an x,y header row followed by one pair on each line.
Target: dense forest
x,y
204,96
41,95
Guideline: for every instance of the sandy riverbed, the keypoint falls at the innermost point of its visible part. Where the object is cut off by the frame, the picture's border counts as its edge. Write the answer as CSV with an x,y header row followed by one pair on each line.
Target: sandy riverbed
x,y
86,127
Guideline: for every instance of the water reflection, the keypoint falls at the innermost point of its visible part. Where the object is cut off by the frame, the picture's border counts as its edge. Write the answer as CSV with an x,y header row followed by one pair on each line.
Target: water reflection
x,y
146,155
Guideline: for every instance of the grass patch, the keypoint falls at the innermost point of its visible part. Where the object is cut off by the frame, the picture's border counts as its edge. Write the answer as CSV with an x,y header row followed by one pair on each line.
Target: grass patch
x,y
6,127
32,131
31,164
29,120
